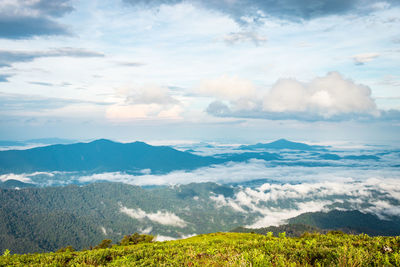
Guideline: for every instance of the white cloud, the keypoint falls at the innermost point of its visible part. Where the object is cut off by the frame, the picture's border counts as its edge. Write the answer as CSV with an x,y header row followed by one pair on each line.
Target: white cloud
x,y
19,177
107,176
161,238
322,98
377,196
276,217
222,201
103,230
143,103
325,96
244,36
231,88
251,170
361,59
187,236
146,230
164,218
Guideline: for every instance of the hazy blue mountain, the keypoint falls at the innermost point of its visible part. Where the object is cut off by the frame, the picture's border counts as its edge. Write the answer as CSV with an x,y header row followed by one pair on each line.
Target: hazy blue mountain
x,y
49,141
282,144
11,143
248,155
351,221
330,156
100,155
105,156
361,157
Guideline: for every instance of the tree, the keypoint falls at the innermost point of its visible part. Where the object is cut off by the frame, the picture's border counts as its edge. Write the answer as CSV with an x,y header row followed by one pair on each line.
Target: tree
x,y
106,243
135,239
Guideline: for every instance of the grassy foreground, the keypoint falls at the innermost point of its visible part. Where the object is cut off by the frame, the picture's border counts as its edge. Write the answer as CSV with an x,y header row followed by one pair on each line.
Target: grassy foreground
x,y
232,249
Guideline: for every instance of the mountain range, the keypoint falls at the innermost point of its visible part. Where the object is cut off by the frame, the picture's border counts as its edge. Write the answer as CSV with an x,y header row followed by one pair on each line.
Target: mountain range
x,y
106,156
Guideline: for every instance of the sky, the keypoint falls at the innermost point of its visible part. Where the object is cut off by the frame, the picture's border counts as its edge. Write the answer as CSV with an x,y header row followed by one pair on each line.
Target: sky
x,y
214,70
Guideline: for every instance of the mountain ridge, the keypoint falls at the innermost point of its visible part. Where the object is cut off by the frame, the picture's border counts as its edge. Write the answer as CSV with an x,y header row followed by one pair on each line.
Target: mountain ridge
x,y
283,144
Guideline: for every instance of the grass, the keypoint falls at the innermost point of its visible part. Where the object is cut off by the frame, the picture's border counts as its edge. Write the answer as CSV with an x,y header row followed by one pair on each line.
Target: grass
x,y
231,249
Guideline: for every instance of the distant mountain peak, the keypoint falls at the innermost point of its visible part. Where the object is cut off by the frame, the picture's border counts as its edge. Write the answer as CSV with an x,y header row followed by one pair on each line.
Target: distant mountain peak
x,y
102,141
282,144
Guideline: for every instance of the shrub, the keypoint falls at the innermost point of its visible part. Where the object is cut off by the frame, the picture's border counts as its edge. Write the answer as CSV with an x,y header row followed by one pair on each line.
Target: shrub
x,y
106,243
136,239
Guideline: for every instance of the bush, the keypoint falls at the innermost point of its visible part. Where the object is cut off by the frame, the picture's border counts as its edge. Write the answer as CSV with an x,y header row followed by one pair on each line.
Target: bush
x,y
106,243
136,239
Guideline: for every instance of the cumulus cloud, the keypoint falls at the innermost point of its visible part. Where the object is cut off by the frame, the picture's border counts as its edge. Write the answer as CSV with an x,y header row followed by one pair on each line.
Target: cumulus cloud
x,y
241,93
326,96
164,218
244,36
24,18
330,97
361,59
145,102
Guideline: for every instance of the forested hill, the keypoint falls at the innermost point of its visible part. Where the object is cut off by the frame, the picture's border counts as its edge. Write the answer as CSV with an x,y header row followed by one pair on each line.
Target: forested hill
x,y
283,144
99,155
351,221
46,219
107,156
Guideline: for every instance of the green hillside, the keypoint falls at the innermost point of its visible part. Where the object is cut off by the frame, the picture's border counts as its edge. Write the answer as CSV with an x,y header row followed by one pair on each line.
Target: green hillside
x,y
45,219
232,249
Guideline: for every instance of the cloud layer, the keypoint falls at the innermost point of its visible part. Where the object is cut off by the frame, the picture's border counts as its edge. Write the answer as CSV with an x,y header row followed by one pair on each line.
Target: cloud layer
x,y
279,202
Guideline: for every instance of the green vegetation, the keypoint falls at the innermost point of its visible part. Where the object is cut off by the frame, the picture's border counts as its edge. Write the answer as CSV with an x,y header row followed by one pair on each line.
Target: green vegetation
x,y
291,230
47,219
232,249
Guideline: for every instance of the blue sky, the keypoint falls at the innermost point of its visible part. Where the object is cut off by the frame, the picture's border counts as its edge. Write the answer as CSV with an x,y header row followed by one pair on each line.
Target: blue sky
x,y
226,70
